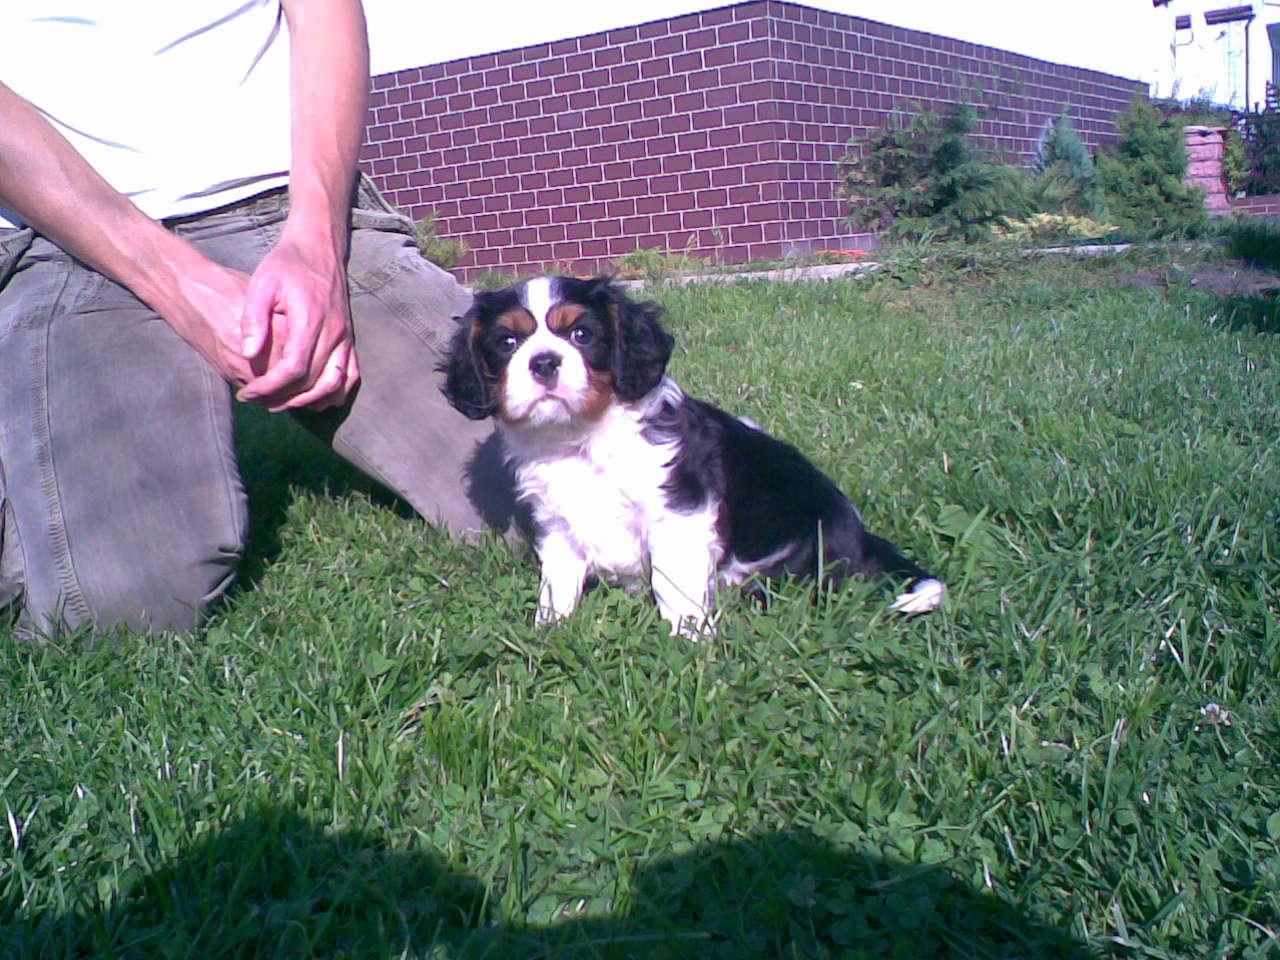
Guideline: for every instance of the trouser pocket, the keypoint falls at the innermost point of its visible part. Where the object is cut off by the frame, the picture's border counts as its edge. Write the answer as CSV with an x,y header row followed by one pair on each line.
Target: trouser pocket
x,y
13,244
370,210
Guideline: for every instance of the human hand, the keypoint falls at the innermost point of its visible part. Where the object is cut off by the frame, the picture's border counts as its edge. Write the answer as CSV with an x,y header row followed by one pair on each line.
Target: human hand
x,y
296,328
205,305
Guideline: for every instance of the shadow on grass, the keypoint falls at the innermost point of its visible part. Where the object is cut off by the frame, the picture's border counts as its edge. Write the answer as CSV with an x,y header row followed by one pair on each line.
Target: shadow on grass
x,y
276,885
281,456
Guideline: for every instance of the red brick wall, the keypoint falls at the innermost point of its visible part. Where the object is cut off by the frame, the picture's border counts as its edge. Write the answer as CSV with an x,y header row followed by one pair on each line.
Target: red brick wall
x,y
718,132
1266,206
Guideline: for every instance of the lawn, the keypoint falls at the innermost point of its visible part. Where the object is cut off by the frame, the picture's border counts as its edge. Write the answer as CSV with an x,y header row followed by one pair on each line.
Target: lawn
x,y
371,752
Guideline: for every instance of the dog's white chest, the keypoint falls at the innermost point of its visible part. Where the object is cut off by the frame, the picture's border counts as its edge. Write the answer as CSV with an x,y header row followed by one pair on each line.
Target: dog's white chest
x,y
602,498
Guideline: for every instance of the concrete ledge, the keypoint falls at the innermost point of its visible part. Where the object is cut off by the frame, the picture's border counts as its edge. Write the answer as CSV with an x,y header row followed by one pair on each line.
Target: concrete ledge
x,y
823,271
832,271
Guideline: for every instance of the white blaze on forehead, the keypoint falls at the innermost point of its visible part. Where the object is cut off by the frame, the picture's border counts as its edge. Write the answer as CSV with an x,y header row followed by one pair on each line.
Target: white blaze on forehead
x,y
532,401
538,297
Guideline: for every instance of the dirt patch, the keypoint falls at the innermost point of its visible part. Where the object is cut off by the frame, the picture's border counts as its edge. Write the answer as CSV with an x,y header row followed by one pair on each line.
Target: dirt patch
x,y
1219,279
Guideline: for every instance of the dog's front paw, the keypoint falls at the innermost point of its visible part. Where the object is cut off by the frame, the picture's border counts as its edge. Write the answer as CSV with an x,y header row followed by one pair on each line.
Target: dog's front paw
x,y
546,616
924,596
564,573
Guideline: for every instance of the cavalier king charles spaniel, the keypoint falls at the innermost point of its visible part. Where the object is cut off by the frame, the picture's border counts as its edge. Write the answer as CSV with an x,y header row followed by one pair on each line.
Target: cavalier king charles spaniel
x,y
629,478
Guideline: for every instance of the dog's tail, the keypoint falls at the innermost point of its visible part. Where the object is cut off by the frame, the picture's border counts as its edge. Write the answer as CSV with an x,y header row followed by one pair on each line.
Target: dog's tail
x,y
851,550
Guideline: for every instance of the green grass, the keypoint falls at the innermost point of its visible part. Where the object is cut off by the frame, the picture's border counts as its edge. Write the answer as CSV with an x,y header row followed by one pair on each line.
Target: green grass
x,y
372,752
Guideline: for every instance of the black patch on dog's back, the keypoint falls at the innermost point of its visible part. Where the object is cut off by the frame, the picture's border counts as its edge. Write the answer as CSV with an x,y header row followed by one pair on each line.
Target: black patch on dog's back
x,y
773,501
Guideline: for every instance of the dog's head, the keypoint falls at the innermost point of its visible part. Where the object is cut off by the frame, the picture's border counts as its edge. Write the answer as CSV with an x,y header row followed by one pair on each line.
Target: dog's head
x,y
554,350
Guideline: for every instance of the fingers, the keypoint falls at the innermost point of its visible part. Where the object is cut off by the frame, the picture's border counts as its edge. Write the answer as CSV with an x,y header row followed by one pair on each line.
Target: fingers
x,y
255,319
353,375
340,375
298,304
302,321
287,374
319,378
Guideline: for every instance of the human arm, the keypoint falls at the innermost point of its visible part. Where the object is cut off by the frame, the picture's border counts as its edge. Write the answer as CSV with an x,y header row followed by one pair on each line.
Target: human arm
x,y
298,294
46,181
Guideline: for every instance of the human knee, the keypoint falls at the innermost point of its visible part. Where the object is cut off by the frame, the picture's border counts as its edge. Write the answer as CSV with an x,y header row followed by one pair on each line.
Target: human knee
x,y
174,595
137,594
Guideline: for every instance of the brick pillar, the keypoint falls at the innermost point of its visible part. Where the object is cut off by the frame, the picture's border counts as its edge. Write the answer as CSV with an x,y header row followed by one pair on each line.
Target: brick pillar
x,y
1204,166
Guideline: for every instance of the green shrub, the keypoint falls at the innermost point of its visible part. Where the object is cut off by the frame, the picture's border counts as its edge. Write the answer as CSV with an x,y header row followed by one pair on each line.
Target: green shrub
x,y
1197,111
922,178
494,280
1141,178
656,265
1256,242
1235,162
444,252
1065,182
1062,147
1055,228
1260,133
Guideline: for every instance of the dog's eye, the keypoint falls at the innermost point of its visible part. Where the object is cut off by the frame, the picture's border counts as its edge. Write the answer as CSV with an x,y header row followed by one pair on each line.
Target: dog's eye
x,y
507,345
581,336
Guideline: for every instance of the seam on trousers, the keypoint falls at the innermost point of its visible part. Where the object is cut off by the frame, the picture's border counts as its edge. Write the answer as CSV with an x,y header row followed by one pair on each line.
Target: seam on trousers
x,y
215,410
268,231
377,278
72,596
359,457
406,316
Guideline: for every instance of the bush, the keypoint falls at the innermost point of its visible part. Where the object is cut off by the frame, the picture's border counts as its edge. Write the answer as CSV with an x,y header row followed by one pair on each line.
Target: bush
x,y
656,266
1235,162
1062,147
1065,182
1141,179
1260,133
922,178
1198,111
445,252
1054,228
1256,242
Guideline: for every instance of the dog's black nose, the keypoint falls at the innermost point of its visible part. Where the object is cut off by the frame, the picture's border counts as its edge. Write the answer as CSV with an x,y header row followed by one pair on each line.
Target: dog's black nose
x,y
544,367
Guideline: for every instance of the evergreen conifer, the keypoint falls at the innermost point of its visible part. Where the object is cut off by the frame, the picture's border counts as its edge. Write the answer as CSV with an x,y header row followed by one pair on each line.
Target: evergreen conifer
x,y
1141,178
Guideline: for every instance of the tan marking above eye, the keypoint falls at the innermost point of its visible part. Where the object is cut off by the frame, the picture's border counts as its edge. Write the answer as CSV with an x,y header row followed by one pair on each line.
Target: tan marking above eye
x,y
517,320
564,315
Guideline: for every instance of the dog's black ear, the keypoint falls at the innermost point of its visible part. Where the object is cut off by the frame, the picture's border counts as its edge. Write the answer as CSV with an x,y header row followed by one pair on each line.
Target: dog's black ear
x,y
465,385
641,346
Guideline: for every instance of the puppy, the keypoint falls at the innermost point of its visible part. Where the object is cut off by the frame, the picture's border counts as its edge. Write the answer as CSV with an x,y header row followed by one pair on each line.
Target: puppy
x,y
628,477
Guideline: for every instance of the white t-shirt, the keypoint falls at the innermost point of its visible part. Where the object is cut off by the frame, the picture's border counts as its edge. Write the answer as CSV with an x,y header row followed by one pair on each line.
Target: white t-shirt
x,y
182,105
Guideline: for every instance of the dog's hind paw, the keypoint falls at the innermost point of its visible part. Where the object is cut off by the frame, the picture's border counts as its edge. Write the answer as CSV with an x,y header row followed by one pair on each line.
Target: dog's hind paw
x,y
924,596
